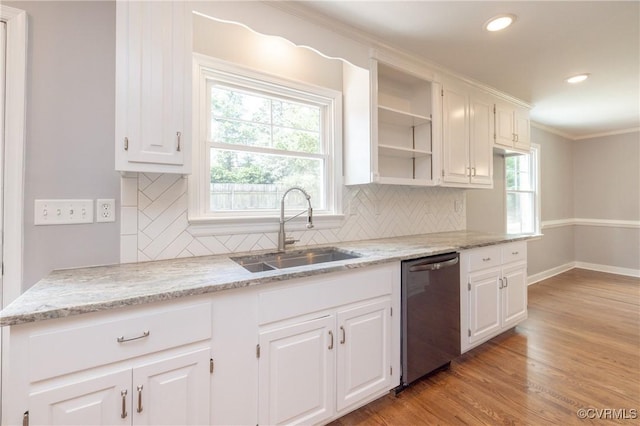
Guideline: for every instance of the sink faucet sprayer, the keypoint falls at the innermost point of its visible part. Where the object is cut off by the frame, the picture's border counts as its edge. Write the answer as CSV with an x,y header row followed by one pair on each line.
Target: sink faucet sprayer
x,y
282,239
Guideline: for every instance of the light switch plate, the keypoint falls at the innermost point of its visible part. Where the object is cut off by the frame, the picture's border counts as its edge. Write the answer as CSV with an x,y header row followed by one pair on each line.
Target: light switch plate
x,y
63,212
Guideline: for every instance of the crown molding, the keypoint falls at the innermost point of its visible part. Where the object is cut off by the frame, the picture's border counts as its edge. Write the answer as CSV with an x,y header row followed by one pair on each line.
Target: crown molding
x,y
553,130
611,133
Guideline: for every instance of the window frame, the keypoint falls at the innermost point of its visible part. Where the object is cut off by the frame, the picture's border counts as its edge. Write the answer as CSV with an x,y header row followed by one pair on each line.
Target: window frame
x,y
204,222
534,155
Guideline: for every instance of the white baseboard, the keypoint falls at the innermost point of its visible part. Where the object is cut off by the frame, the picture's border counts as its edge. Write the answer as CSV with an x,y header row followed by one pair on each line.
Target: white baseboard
x,y
532,279
610,269
535,278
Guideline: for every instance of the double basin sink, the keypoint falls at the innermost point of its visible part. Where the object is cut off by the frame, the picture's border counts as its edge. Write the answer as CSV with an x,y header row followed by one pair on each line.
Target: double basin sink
x,y
271,261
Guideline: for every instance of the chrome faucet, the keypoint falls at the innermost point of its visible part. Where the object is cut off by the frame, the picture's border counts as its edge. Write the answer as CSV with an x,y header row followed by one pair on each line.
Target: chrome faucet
x,y
282,239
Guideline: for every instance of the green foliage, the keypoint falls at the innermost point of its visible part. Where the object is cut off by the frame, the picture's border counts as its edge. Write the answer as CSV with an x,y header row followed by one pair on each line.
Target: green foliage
x,y
240,118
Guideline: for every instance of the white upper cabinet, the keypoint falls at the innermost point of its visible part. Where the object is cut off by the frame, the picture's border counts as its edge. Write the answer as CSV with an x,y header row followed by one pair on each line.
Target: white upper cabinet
x,y
512,127
392,124
153,87
467,130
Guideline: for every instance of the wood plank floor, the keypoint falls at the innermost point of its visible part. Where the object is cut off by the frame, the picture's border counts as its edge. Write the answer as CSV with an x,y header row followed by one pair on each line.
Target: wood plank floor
x,y
579,349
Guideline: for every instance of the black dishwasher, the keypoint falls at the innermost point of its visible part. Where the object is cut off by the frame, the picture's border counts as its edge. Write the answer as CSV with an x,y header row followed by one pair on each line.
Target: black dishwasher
x,y
430,315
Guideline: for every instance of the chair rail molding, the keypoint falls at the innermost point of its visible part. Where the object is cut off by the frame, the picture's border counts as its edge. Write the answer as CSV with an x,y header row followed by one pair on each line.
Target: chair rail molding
x,y
611,223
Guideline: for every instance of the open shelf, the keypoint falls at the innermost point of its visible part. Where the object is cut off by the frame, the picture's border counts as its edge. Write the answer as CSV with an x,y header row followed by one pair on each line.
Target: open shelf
x,y
400,118
394,151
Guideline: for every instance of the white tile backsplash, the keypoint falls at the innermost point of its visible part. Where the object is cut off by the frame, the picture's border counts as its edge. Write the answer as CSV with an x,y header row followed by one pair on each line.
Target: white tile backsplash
x,y
371,211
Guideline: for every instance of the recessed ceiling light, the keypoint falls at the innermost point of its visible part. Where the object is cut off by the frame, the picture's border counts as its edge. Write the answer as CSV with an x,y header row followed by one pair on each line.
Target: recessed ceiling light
x,y
577,78
499,22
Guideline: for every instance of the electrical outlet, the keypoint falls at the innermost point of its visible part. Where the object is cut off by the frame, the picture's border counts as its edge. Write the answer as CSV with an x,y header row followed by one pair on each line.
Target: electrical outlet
x,y
105,210
62,212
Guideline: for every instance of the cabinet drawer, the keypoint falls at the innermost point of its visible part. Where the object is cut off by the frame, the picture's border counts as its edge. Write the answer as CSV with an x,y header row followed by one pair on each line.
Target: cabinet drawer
x,y
324,292
514,252
486,257
93,343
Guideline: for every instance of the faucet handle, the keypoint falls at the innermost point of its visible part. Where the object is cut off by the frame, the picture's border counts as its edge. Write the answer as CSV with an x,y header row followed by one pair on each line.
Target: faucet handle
x,y
290,241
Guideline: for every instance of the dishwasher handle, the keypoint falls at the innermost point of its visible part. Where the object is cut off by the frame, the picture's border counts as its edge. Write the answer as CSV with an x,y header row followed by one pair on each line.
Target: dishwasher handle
x,y
433,266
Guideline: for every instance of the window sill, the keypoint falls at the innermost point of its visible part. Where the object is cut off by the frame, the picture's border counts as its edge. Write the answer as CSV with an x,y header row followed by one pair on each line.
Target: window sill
x,y
204,226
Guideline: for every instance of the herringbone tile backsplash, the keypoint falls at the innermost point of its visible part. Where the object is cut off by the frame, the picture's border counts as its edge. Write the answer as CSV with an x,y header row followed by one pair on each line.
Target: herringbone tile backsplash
x,y
154,221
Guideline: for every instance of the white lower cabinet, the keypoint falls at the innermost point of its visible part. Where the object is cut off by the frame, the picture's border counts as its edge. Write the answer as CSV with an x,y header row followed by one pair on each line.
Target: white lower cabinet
x,y
327,347
328,344
95,401
363,355
144,365
296,373
311,370
493,291
173,391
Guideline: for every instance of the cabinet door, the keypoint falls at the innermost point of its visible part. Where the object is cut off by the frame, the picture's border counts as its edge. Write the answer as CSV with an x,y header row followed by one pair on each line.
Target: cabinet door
x,y
153,40
104,400
363,363
522,130
504,126
455,134
484,304
174,391
480,142
514,294
296,373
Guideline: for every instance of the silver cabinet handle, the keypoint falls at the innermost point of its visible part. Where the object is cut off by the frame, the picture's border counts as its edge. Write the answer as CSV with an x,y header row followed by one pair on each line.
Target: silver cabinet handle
x,y
344,335
139,410
331,336
179,135
514,137
517,138
474,171
514,253
123,394
469,171
506,282
126,143
500,285
122,339
486,259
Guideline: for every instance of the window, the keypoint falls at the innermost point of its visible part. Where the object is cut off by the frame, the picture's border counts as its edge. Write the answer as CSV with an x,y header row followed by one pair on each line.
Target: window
x,y
259,136
523,206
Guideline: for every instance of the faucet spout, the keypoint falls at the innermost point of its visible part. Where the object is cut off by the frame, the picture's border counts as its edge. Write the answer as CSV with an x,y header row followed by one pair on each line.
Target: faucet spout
x,y
282,240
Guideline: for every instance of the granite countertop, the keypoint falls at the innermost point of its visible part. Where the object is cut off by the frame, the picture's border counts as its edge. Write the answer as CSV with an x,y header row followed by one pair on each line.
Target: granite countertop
x,y
75,291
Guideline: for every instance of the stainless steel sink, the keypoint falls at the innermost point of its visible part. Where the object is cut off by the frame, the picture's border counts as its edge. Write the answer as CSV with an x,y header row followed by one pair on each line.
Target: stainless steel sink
x,y
270,261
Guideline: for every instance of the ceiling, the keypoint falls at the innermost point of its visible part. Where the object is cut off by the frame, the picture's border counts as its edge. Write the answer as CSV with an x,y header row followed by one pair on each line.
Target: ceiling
x,y
550,41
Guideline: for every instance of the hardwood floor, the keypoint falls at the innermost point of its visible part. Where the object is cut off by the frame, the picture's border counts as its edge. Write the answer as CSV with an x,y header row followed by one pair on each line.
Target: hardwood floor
x,y
579,349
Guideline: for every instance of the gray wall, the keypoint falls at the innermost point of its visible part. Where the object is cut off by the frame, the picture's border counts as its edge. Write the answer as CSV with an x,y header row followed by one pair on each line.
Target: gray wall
x,y
486,208
607,177
556,248
596,178
607,186
70,130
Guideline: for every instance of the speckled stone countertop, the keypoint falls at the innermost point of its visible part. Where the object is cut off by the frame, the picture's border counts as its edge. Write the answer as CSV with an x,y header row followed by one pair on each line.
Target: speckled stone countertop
x,y
76,291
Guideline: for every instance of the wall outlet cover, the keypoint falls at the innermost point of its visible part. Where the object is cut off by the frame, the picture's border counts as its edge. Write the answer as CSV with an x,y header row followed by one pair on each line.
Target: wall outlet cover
x,y
105,210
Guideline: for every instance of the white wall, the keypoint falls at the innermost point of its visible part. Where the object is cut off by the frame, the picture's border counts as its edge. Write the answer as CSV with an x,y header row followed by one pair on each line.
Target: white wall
x,y
70,130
